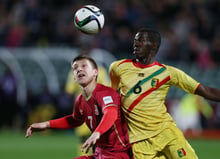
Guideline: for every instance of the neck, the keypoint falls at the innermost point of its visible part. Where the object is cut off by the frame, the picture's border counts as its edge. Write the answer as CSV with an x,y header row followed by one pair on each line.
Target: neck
x,y
88,89
145,61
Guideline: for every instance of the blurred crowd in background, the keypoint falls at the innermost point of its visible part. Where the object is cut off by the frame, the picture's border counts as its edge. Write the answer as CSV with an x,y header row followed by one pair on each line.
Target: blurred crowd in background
x,y
190,31
190,28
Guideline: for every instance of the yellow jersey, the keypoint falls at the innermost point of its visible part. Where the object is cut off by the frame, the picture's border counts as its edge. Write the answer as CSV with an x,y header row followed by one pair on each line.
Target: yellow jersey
x,y
143,89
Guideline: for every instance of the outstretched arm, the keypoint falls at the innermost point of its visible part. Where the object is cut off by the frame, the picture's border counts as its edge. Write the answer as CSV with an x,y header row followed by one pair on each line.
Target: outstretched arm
x,y
65,122
208,93
37,127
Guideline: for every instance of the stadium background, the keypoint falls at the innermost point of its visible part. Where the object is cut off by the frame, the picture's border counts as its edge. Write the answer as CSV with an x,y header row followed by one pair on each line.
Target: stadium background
x,y
38,41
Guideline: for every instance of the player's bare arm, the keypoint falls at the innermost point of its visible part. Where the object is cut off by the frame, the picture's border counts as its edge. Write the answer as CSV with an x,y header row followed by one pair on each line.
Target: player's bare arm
x,y
37,127
208,93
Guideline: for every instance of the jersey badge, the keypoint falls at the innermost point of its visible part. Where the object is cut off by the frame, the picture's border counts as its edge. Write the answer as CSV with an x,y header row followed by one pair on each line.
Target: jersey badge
x,y
96,110
154,82
181,152
140,74
107,99
81,111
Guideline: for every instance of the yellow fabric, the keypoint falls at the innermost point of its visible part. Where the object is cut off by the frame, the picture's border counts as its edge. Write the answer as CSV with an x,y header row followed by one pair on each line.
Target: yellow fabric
x,y
148,87
83,130
170,142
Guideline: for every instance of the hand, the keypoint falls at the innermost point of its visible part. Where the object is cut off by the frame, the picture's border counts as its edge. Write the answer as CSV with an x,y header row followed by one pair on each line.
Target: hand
x,y
90,142
37,127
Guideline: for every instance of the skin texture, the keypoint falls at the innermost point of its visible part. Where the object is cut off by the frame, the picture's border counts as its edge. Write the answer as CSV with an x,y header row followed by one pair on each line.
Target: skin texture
x,y
144,49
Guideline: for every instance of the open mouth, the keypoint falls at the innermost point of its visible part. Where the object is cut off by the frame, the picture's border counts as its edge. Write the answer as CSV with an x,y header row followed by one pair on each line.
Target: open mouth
x,y
81,75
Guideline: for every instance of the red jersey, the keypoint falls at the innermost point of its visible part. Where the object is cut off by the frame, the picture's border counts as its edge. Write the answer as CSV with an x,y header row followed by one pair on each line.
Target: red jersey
x,y
91,111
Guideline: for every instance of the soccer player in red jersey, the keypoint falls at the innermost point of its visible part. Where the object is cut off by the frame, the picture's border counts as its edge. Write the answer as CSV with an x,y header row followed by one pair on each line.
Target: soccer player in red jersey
x,y
99,107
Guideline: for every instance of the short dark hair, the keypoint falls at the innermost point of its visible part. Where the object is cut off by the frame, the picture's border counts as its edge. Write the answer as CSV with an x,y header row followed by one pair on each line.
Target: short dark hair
x,y
83,56
154,35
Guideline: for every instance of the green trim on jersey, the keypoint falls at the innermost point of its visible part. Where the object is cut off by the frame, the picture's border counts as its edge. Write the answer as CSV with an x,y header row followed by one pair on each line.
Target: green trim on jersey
x,y
144,81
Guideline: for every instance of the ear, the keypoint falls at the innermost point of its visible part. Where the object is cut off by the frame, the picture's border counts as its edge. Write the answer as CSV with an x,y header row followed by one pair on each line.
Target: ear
x,y
96,72
155,46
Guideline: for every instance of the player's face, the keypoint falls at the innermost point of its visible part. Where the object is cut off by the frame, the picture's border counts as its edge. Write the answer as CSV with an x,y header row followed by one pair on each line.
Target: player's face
x,y
142,45
84,72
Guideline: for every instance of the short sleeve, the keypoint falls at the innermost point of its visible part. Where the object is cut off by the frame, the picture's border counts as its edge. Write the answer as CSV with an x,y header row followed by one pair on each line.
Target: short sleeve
x,y
182,80
107,98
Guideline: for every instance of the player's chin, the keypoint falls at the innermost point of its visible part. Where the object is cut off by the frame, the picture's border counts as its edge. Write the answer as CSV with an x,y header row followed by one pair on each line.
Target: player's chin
x,y
137,55
81,82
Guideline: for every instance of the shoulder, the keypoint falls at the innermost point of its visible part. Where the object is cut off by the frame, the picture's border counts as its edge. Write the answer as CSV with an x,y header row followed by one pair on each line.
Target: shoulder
x,y
173,69
119,62
121,65
105,95
79,99
102,92
102,89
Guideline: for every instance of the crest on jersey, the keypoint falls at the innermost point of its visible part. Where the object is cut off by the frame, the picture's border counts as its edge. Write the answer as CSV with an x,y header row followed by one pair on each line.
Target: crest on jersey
x,y
107,99
181,152
154,82
96,110
81,111
140,74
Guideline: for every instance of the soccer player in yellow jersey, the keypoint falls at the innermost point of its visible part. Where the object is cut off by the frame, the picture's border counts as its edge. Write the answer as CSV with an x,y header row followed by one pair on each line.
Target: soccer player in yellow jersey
x,y
143,84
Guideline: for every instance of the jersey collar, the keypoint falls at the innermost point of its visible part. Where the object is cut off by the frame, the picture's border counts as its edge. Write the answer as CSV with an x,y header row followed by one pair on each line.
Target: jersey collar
x,y
140,65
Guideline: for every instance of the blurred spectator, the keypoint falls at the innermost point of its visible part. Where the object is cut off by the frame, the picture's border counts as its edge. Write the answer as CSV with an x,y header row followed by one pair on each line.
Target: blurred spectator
x,y
64,103
188,112
50,23
44,109
215,47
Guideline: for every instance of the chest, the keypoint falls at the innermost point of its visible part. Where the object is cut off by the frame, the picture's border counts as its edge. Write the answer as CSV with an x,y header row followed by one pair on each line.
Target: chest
x,y
136,80
92,113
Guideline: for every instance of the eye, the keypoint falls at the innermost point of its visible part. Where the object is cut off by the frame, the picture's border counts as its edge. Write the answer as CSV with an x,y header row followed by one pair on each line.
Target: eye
x,y
74,67
139,39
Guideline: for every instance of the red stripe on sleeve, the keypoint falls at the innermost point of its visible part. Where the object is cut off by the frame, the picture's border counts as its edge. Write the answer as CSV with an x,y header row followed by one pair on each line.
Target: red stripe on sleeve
x,y
197,87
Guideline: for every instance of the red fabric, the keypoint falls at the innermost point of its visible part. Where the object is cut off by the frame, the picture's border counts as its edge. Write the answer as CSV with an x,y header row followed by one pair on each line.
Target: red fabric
x,y
108,119
106,154
65,122
92,111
